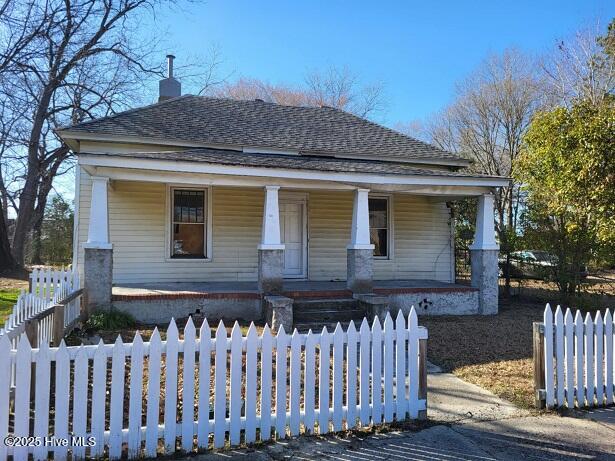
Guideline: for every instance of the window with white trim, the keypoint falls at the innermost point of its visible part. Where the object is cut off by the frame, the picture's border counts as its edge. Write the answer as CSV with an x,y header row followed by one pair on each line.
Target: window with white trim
x,y
379,225
189,223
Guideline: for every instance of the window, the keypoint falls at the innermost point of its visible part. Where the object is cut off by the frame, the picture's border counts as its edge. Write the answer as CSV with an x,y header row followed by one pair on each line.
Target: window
x,y
379,226
188,223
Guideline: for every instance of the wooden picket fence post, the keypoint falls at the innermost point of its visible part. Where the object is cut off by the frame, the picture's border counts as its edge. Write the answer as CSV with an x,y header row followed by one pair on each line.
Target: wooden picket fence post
x,y
57,332
422,394
539,364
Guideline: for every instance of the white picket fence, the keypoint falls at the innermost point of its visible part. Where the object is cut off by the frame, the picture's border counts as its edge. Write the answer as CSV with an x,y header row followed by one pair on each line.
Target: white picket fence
x,y
44,282
49,288
579,359
236,389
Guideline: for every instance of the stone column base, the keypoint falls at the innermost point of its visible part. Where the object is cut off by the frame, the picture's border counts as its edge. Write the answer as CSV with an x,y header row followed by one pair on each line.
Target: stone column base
x,y
270,263
485,277
374,306
279,313
98,279
360,272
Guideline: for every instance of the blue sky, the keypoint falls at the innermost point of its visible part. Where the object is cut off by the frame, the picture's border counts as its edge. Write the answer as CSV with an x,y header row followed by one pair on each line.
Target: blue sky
x,y
418,50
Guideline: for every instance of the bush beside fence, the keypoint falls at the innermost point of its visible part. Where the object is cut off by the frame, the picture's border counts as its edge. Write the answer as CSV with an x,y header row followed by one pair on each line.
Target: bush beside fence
x,y
212,391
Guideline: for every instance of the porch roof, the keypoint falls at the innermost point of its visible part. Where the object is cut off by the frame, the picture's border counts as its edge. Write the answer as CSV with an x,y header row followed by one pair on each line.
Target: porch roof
x,y
295,162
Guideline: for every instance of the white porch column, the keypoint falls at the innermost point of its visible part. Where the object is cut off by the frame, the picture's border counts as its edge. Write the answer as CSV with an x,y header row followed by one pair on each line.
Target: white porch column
x,y
271,249
484,236
484,256
270,233
359,252
359,233
98,230
98,258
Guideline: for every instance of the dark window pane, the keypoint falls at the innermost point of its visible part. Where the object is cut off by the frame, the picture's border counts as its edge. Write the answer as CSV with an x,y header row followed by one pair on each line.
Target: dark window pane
x,y
378,213
377,204
188,206
379,239
379,223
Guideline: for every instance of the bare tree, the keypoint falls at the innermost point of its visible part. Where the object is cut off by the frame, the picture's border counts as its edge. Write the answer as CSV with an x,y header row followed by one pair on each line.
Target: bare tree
x,y
334,87
339,87
486,123
249,88
582,67
61,61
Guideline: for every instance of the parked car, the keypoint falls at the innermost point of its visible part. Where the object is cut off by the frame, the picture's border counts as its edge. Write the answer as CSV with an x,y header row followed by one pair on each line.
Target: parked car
x,y
533,264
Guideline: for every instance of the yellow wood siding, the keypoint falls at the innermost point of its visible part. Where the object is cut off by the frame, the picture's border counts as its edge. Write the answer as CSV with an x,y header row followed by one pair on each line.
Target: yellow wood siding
x,y
422,241
420,229
137,226
329,218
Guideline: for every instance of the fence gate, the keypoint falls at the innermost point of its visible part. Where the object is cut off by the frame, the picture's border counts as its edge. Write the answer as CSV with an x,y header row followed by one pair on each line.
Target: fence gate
x,y
574,359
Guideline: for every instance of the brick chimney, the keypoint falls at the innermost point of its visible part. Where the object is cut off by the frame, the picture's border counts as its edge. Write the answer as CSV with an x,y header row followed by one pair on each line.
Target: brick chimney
x,y
169,87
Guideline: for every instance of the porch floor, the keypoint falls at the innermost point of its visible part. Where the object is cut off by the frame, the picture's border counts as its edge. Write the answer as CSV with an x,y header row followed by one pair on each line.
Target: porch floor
x,y
291,288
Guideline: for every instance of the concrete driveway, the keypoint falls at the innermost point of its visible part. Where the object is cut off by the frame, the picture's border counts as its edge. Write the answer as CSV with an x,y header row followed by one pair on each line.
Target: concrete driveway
x,y
465,423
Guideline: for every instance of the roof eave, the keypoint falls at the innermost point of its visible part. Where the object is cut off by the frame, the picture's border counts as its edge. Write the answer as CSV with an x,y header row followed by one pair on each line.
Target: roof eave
x,y
72,138
111,160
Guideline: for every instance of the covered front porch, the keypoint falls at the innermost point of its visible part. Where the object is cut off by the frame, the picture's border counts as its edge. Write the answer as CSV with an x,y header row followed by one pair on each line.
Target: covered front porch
x,y
312,302
276,233
291,288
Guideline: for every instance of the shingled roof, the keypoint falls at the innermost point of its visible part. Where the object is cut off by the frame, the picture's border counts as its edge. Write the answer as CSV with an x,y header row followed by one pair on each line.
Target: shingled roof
x,y
258,124
294,162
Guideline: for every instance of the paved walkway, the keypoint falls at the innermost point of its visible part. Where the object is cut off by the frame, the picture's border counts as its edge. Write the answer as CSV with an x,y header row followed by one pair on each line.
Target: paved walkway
x,y
466,422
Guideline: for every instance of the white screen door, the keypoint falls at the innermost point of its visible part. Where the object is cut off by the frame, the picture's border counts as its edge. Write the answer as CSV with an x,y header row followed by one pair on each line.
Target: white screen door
x,y
292,232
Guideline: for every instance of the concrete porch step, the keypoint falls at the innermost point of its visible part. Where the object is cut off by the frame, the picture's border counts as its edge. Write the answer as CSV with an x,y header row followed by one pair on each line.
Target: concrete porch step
x,y
328,315
318,304
326,311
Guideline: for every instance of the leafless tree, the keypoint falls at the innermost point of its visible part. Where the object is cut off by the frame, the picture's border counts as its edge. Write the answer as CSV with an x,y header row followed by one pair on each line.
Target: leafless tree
x,y
334,87
339,87
249,88
61,61
486,123
582,66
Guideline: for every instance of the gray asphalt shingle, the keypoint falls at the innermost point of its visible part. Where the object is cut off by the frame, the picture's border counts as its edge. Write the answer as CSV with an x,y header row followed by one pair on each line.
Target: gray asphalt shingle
x,y
229,122
299,162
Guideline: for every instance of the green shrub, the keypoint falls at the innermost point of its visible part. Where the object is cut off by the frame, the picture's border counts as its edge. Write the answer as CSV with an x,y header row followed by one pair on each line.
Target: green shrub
x,y
113,320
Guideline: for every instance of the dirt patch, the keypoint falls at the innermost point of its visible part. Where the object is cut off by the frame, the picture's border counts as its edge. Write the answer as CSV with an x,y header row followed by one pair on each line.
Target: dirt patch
x,y
13,284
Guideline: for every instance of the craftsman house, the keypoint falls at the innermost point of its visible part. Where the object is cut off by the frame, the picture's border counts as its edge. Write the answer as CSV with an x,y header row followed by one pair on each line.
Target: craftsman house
x,y
203,205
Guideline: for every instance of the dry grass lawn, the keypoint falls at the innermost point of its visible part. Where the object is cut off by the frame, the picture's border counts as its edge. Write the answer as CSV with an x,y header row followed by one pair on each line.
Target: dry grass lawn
x,y
492,352
495,352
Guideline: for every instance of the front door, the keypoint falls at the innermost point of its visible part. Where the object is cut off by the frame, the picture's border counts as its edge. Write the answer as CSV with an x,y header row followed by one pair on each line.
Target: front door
x,y
292,233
